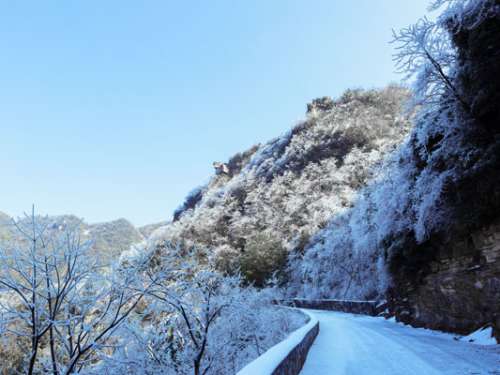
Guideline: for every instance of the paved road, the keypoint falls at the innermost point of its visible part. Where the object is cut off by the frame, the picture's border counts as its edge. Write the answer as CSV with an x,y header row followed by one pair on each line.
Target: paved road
x,y
359,345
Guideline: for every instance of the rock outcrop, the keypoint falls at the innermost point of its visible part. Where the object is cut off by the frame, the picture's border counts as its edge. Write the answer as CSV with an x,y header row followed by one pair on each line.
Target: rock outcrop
x,y
455,286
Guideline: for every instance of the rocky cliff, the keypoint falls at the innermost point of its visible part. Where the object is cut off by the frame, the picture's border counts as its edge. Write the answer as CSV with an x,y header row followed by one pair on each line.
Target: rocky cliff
x,y
451,281
457,288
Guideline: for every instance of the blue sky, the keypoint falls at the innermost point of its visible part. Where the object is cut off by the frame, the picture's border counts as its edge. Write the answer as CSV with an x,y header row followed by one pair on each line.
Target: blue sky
x,y
118,108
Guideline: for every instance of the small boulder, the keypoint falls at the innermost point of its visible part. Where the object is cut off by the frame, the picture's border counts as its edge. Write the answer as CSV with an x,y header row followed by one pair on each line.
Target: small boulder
x,y
221,168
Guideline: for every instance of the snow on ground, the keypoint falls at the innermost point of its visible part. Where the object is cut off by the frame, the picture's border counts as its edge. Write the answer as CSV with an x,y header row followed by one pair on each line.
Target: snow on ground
x,y
483,336
357,344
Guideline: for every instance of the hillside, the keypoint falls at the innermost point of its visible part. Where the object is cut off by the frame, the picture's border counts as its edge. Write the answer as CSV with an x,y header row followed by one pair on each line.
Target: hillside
x,y
264,204
4,231
147,230
112,238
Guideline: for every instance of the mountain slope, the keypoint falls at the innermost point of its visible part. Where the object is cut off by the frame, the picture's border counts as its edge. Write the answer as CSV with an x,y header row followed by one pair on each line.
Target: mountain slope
x,y
112,238
147,230
5,220
264,204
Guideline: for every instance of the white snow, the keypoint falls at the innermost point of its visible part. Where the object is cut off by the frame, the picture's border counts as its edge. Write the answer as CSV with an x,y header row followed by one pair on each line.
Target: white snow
x,y
337,300
483,336
267,362
359,345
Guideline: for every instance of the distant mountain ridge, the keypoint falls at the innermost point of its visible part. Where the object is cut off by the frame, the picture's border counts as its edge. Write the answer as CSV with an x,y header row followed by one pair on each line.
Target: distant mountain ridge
x,y
110,238
148,229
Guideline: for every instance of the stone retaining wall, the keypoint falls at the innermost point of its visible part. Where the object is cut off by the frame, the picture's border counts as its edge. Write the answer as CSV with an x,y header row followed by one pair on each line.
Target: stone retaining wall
x,y
288,356
294,361
458,290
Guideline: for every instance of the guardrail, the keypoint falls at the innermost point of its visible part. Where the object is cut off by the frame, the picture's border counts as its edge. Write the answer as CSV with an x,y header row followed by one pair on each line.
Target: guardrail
x,y
372,308
288,356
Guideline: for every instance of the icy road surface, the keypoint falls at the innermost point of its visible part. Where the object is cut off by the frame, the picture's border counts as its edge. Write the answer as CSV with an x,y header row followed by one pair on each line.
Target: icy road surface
x,y
359,345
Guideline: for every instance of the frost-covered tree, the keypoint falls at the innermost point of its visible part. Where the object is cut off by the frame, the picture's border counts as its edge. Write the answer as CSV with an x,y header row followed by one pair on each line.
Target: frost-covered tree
x,y
197,298
425,52
427,55
196,320
56,300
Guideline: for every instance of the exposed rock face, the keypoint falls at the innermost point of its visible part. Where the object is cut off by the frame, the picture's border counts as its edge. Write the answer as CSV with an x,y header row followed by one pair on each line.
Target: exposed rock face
x,y
458,288
220,168
479,55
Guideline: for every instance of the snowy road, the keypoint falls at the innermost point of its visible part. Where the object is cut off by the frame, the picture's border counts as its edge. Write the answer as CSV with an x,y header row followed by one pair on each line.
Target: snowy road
x,y
359,345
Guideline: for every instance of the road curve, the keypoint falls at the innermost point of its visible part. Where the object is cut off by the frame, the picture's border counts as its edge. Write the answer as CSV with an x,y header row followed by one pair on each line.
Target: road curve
x,y
351,344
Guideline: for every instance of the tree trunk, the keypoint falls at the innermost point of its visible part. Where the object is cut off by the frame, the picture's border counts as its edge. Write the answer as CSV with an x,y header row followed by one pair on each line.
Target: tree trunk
x,y
33,358
53,351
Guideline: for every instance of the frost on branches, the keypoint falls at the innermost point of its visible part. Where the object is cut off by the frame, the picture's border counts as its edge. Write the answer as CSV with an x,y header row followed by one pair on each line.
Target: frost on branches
x,y
58,309
62,313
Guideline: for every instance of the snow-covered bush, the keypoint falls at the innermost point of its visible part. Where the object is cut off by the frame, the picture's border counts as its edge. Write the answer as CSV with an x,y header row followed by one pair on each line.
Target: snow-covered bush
x,y
196,320
263,257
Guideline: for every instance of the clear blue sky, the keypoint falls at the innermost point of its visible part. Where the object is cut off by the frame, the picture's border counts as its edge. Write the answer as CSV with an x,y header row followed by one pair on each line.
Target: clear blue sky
x,y
118,108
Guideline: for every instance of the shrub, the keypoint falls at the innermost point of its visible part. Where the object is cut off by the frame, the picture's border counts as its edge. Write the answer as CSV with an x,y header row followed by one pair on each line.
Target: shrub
x,y
264,256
